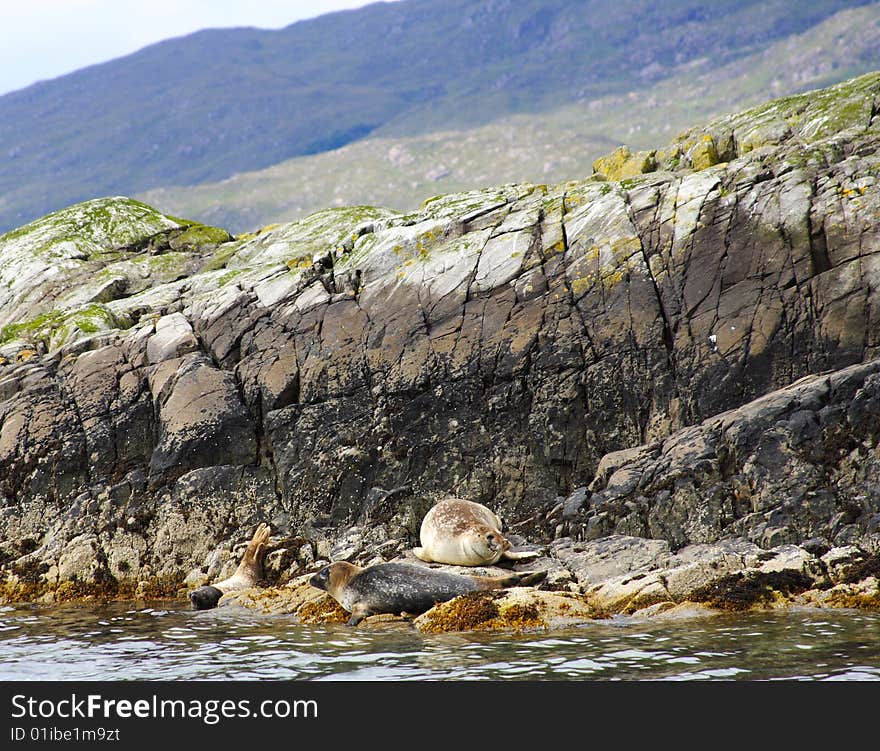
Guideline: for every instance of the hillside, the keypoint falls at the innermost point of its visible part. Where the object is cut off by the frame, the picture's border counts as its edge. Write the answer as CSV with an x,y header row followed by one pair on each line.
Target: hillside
x,y
215,103
557,145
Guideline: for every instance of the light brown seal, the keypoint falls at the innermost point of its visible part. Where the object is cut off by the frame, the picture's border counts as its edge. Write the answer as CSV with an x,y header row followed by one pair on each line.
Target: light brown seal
x,y
403,587
248,573
464,533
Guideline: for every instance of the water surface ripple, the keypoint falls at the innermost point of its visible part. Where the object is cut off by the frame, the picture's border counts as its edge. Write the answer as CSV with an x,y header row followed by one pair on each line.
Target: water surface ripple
x,y
158,641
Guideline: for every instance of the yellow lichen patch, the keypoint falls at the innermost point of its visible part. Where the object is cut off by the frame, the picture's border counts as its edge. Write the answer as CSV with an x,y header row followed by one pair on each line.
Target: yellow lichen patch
x,y
572,202
555,249
703,154
624,247
299,263
622,163
609,276
323,610
424,243
613,278
25,355
582,284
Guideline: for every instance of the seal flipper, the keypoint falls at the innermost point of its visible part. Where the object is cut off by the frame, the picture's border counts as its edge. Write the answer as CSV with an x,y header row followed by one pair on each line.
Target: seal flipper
x,y
524,579
358,613
530,578
422,555
521,555
251,564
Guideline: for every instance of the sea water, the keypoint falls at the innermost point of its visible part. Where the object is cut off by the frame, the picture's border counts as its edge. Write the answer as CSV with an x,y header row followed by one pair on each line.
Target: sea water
x,y
167,641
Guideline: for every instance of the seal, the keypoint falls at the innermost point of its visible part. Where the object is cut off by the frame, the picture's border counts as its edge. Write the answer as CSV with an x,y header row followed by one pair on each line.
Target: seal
x,y
403,587
248,573
464,533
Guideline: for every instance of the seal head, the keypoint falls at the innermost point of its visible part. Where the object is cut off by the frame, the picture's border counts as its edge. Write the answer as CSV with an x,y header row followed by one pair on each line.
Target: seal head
x,y
205,598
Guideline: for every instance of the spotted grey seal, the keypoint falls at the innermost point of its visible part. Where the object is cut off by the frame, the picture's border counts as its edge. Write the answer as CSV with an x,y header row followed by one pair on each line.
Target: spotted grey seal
x,y
403,587
464,533
248,573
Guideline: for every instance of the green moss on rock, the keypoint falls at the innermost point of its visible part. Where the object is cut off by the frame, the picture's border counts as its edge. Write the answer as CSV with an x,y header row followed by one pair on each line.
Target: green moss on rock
x,y
221,256
200,236
36,329
55,327
93,318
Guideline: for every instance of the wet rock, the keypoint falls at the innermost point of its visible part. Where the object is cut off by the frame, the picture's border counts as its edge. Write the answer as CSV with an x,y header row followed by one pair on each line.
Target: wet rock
x,y
80,561
203,423
572,505
839,561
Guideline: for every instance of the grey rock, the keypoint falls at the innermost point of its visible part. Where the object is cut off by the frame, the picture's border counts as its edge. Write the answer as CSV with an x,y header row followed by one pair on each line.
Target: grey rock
x,y
574,503
173,338
610,556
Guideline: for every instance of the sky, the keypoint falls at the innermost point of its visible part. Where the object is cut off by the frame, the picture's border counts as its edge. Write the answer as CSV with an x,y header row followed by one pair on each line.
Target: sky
x,y
47,38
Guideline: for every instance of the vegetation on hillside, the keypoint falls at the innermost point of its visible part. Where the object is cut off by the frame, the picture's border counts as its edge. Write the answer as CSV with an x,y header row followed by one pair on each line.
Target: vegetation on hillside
x,y
209,105
553,146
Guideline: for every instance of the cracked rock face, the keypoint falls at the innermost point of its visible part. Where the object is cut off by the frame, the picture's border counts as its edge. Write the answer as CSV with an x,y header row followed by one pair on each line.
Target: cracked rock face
x,y
162,381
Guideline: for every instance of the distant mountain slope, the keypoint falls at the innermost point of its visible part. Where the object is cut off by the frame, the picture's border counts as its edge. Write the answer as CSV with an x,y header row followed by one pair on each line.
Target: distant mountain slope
x,y
550,147
214,103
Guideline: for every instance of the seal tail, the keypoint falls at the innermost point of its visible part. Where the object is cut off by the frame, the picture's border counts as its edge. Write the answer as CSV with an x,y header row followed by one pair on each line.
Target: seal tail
x,y
530,578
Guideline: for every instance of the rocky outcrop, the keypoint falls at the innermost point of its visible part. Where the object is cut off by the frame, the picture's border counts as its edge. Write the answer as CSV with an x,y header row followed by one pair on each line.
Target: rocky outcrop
x,y
613,575
790,466
686,356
